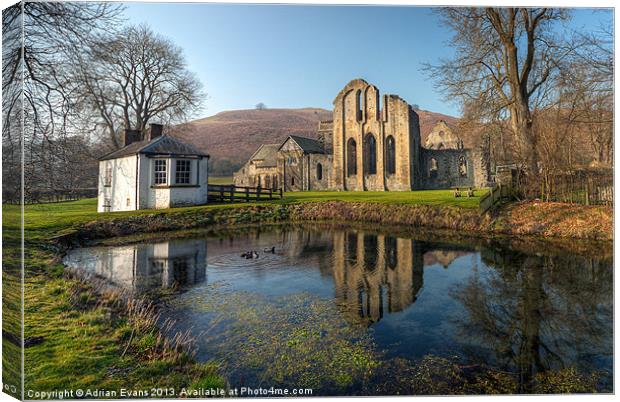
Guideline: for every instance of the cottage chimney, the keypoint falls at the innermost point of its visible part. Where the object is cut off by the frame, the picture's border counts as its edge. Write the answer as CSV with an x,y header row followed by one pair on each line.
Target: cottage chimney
x,y
155,131
131,136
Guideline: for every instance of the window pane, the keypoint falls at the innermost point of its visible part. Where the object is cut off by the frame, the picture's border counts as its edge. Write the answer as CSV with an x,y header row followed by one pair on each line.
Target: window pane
x,y
160,171
183,171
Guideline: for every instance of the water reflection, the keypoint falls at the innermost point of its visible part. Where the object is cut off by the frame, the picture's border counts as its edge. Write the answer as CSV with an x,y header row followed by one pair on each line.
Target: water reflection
x,y
142,267
522,310
376,273
535,312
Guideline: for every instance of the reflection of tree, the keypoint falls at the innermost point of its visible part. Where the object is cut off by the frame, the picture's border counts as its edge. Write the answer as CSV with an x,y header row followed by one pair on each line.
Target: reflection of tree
x,y
533,313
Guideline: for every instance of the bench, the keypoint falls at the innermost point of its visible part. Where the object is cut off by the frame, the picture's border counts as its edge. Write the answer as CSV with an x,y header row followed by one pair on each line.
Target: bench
x,y
459,190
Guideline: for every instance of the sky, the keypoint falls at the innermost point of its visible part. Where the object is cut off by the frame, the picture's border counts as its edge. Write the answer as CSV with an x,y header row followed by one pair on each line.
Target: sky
x,y
293,56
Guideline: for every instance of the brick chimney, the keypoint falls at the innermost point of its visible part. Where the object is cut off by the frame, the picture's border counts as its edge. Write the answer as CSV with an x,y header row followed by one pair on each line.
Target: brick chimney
x,y
131,136
155,131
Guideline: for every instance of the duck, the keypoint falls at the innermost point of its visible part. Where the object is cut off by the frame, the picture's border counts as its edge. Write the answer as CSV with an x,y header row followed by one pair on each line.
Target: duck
x,y
271,250
248,255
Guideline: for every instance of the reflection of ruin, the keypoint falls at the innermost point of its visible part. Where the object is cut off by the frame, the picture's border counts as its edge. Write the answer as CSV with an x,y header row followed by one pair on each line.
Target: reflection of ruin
x,y
143,267
443,257
374,273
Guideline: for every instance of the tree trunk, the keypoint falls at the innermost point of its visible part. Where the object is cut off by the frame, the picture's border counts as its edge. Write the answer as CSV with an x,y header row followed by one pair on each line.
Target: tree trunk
x,y
525,140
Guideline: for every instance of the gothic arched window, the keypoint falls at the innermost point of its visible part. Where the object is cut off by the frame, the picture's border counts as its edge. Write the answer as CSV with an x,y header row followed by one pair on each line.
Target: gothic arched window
x,y
319,171
370,154
351,157
462,166
432,171
390,155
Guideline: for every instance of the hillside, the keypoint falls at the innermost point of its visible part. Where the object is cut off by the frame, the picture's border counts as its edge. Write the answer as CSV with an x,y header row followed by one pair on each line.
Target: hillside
x,y
231,137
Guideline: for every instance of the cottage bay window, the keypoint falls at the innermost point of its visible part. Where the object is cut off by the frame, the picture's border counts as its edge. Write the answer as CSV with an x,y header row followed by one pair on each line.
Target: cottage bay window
x,y
160,171
183,170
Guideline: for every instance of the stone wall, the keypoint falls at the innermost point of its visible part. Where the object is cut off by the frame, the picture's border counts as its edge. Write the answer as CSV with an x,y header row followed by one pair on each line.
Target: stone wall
x,y
253,175
301,172
361,118
359,122
293,166
441,169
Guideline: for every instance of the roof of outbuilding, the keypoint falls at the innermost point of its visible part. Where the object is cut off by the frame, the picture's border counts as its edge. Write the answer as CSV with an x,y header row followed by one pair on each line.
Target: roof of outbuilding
x,y
164,145
308,145
268,154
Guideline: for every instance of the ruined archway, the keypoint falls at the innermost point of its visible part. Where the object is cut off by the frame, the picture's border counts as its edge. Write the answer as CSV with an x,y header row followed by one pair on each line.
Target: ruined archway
x,y
390,155
351,157
370,154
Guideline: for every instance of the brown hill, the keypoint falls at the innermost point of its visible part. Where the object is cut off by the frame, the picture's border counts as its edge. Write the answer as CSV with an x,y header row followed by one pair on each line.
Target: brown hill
x,y
231,137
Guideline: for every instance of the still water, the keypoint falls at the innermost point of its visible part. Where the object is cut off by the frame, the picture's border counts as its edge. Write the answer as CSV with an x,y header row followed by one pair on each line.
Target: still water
x,y
324,307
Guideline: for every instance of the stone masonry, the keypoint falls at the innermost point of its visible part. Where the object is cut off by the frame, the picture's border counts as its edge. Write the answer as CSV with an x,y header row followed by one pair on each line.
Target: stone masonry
x,y
373,143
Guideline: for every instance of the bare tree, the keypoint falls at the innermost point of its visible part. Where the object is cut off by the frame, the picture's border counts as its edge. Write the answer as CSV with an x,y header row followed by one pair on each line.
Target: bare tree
x,y
37,103
260,106
503,58
136,76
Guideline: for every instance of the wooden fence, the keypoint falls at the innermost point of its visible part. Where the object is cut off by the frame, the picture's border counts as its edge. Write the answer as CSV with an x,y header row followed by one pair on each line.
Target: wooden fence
x,y
50,196
581,186
232,193
496,194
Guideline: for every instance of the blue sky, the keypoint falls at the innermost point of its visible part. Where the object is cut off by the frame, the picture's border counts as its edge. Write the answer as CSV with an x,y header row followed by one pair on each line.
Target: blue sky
x,y
301,56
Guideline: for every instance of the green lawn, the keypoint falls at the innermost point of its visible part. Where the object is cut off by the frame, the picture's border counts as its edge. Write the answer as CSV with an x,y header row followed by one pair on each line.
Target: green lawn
x,y
422,197
220,179
45,220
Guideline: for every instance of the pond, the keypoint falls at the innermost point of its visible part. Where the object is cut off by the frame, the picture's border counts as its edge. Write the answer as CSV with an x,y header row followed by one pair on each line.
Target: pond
x,y
348,310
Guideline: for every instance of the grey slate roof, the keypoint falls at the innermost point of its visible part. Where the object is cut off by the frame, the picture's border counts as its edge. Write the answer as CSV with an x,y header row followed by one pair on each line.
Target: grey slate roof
x,y
164,145
268,154
308,145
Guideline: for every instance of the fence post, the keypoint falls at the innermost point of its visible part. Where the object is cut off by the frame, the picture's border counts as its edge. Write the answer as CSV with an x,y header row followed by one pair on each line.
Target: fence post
x,y
270,194
232,193
247,194
280,192
587,195
258,193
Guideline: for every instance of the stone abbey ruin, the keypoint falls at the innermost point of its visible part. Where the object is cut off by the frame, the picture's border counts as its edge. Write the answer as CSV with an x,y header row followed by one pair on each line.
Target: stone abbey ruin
x,y
372,143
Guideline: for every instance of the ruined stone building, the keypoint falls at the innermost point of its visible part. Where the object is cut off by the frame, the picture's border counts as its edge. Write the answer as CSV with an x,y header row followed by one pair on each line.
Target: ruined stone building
x,y
372,143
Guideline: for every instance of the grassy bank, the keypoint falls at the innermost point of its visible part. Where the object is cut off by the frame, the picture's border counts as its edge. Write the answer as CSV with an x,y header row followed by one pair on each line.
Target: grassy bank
x,y
544,220
67,319
77,335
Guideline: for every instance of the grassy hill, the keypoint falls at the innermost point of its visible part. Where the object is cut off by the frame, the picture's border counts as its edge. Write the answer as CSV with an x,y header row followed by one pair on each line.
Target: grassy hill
x,y
231,137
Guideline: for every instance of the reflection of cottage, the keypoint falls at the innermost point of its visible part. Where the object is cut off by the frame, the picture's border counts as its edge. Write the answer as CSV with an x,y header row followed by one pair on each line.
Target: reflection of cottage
x,y
157,171
372,143
144,267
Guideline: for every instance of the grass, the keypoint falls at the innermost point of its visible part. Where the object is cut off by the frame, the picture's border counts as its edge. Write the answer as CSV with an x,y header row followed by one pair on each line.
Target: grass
x,y
422,197
81,343
220,179
43,221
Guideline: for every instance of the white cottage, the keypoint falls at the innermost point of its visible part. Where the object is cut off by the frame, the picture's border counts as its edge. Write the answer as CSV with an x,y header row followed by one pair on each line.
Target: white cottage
x,y
158,171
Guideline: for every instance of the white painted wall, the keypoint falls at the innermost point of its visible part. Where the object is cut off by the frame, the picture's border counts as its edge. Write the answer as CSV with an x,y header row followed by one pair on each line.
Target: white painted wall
x,y
122,193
